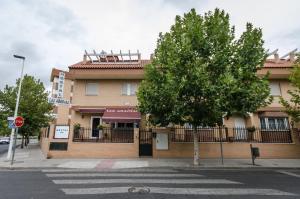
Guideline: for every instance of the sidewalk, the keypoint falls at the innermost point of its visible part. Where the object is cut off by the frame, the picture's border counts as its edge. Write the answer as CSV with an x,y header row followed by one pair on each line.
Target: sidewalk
x,y
32,157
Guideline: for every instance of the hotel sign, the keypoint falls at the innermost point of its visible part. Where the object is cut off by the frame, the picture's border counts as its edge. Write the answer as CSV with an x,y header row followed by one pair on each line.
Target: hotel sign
x,y
58,101
61,81
62,132
121,110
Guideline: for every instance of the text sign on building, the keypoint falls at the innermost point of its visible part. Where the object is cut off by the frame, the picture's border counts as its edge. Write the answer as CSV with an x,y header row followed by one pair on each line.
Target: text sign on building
x,y
61,81
58,101
62,131
121,110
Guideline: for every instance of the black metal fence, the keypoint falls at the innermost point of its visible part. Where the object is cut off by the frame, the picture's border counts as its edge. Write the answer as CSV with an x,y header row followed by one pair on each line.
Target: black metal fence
x,y
105,135
181,134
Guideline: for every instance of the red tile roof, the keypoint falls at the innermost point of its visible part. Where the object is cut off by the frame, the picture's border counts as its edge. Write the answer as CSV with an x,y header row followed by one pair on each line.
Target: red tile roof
x,y
110,65
281,63
270,63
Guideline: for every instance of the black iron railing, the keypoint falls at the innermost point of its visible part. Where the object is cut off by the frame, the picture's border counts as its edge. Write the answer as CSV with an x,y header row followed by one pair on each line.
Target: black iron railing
x,y
181,134
105,135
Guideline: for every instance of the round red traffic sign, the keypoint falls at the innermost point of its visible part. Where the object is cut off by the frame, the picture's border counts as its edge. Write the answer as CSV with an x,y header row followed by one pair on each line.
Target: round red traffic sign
x,y
19,121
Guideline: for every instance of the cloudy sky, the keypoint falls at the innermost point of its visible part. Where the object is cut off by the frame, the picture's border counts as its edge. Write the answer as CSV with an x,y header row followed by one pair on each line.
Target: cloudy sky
x,y
55,33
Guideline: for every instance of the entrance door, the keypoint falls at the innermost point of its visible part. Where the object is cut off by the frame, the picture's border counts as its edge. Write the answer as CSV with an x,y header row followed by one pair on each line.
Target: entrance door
x,y
145,143
95,122
240,128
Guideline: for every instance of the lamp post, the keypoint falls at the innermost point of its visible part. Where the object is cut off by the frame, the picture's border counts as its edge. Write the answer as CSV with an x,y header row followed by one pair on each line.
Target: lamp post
x,y
12,135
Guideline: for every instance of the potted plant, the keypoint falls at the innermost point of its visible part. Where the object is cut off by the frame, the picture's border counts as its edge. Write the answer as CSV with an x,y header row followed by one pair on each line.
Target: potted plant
x,y
77,127
100,128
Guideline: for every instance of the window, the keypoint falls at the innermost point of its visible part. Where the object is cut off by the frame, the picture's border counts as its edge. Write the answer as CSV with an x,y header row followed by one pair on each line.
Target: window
x,y
91,89
274,123
129,89
275,89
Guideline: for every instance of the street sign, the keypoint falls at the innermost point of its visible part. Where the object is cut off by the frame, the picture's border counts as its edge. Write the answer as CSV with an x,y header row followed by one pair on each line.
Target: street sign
x,y
19,121
11,122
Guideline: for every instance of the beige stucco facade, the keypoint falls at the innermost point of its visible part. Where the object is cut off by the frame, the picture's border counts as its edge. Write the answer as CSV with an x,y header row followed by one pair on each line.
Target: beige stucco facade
x,y
83,108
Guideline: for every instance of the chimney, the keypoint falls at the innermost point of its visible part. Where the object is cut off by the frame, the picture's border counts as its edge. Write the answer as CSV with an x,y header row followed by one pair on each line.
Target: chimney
x,y
292,57
84,58
276,57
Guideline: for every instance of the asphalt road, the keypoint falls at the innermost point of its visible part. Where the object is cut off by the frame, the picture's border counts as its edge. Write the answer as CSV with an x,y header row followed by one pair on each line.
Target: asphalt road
x,y
3,148
148,183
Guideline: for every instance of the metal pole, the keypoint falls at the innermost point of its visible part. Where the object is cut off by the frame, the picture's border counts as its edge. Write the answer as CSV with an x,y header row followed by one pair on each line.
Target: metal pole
x,y
14,147
16,112
221,145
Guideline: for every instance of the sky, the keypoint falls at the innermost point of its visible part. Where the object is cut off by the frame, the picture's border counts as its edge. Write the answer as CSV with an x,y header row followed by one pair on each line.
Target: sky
x,y
55,33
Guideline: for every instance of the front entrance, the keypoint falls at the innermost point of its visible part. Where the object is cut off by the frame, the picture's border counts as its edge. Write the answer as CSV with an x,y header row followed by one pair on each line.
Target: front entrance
x,y
95,122
240,128
145,143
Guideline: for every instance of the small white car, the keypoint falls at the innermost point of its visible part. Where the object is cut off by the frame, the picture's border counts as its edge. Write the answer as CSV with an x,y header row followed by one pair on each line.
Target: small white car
x,y
4,140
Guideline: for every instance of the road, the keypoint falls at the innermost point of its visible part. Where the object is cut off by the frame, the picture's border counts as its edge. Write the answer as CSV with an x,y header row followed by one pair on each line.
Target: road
x,y
150,183
3,148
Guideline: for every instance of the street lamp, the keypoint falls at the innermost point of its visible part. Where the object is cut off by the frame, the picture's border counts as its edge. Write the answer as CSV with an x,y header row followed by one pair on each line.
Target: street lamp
x,y
12,135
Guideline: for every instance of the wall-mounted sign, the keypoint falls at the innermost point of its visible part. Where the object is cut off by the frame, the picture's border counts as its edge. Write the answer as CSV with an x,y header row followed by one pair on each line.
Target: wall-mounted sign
x,y
58,101
62,131
61,81
121,110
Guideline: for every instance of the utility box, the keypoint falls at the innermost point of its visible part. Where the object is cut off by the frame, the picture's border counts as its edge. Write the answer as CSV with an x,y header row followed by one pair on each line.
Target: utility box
x,y
255,151
162,141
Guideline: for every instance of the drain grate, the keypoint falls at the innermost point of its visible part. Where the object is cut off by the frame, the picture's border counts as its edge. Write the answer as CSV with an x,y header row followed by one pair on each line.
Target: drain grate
x,y
140,190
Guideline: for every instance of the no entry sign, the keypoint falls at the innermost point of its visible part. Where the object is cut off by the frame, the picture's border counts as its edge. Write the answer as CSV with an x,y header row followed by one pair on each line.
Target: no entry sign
x,y
19,121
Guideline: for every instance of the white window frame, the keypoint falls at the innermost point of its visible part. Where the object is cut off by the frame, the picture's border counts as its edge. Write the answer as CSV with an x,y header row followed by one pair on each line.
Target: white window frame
x,y
279,88
266,119
129,87
91,94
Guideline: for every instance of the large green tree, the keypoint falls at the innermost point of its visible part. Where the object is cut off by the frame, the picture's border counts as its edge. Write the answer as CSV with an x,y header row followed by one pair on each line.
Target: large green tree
x,y
292,106
34,106
200,72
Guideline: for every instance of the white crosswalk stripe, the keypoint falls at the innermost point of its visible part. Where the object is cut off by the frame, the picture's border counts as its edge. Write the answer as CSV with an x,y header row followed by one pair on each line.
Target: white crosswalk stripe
x,y
178,191
145,181
169,183
289,173
163,175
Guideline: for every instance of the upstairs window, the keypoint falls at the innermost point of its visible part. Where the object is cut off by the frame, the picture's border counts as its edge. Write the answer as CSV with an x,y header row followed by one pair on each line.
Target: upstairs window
x,y
91,89
274,123
129,89
275,89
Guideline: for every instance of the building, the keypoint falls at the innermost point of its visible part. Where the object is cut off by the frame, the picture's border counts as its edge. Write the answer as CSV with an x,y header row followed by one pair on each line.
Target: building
x,y
96,116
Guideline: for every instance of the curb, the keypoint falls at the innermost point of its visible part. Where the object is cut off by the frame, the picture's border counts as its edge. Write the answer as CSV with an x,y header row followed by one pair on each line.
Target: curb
x,y
152,168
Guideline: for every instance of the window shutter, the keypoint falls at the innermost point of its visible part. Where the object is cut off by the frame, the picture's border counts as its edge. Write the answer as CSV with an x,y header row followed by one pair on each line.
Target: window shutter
x,y
124,89
133,89
275,89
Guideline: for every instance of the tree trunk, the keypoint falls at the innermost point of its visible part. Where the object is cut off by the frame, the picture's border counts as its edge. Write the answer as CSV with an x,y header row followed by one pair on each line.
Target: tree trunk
x,y
22,144
196,147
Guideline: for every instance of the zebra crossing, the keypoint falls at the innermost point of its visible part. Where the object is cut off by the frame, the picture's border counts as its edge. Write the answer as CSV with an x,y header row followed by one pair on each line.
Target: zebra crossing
x,y
169,182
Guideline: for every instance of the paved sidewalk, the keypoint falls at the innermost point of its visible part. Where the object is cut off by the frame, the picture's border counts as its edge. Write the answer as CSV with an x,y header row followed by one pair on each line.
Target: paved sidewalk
x,y
32,157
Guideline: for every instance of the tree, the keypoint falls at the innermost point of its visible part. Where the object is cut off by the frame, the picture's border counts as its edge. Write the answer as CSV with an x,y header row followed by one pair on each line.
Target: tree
x,y
34,106
199,72
292,107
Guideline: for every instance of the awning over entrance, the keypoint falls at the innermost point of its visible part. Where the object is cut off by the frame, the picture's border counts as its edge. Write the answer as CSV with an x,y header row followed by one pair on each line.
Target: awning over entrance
x,y
121,115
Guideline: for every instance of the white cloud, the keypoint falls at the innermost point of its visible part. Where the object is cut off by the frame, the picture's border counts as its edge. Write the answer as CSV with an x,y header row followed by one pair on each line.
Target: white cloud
x,y
54,33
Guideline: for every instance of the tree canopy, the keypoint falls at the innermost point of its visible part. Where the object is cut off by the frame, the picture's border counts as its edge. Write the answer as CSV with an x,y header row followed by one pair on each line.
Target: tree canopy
x,y
292,106
34,106
200,72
